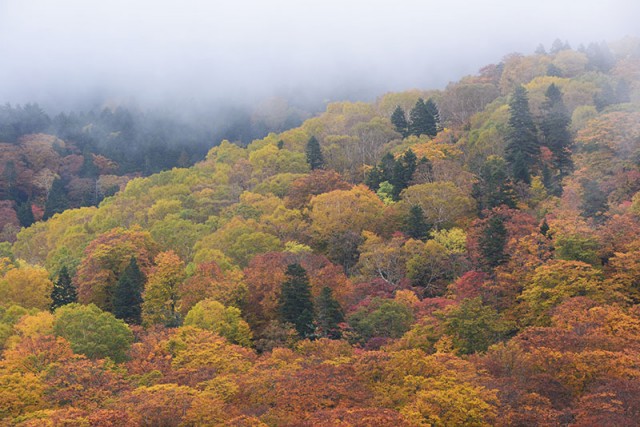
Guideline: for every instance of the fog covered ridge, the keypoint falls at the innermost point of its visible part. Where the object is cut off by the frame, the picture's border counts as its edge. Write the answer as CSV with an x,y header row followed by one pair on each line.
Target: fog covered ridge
x,y
66,51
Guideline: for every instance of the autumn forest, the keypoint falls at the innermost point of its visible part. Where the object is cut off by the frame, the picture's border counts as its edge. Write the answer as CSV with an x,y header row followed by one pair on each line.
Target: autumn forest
x,y
460,257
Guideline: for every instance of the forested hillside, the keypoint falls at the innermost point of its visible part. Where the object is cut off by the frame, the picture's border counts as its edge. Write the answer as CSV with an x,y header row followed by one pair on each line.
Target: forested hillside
x,y
459,257
48,165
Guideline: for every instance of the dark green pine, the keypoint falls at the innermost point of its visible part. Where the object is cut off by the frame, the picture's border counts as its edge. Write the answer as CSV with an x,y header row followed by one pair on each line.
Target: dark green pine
x,y
523,148
432,108
421,120
314,154
492,242
127,294
63,292
57,200
556,131
399,121
329,315
296,306
416,225
494,187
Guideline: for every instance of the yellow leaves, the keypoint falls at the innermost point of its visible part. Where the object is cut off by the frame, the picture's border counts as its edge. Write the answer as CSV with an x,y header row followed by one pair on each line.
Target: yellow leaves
x,y
340,211
442,404
28,286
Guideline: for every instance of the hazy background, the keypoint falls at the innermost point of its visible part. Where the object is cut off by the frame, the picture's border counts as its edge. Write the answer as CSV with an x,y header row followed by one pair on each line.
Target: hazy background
x,y
68,53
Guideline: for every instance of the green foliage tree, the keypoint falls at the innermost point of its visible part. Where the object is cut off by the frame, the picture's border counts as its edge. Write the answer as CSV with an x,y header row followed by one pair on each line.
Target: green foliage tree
x,y
296,306
127,294
161,296
494,188
382,318
421,120
93,332
329,315
64,292
213,316
314,154
415,225
556,133
25,213
522,142
57,199
594,200
474,326
399,121
402,172
432,108
492,242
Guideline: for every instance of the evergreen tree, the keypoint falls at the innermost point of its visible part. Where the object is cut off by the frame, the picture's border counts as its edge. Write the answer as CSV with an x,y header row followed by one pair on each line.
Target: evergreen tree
x,y
399,121
432,108
544,228
296,306
63,291
381,173
396,172
594,200
422,121
492,243
329,315
127,294
314,154
25,213
494,187
556,132
57,200
522,142
416,225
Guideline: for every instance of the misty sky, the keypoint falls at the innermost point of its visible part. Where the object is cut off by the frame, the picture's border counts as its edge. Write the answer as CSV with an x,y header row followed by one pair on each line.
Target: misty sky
x,y
59,51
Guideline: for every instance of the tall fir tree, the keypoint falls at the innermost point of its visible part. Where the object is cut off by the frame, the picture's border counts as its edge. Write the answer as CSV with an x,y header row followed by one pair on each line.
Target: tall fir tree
x,y
416,226
523,147
63,292
492,242
402,172
382,172
556,133
57,199
314,154
432,108
329,315
296,306
24,211
399,121
421,120
494,188
127,294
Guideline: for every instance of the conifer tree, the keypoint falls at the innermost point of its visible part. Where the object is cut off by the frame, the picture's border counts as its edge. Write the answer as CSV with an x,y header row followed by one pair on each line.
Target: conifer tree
x,y
127,295
522,142
296,306
432,108
329,314
56,201
25,213
399,121
494,187
63,292
422,121
403,170
492,243
416,225
555,130
314,154
382,172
